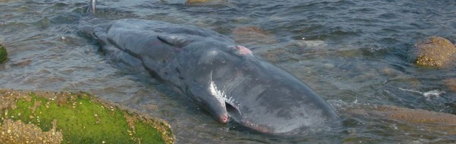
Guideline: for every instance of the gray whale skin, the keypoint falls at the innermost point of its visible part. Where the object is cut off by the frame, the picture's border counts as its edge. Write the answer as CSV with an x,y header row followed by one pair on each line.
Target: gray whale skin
x,y
225,79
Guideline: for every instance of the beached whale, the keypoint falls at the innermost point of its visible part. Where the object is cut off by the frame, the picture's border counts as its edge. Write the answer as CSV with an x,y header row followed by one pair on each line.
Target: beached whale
x,y
226,79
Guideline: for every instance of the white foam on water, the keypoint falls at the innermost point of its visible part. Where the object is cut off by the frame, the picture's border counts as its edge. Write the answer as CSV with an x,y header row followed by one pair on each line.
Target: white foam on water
x,y
427,94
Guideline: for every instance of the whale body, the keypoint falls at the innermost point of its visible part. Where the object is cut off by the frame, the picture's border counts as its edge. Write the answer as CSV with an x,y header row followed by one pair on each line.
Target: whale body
x,y
224,78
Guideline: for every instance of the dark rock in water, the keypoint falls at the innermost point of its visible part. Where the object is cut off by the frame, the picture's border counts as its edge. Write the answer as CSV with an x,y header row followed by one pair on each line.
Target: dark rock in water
x,y
3,54
435,52
452,106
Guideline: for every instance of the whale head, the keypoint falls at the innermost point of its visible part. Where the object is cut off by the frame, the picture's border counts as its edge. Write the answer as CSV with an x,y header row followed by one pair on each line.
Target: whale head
x,y
235,85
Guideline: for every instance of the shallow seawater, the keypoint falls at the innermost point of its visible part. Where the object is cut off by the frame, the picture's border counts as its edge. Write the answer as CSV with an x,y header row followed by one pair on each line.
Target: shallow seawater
x,y
351,52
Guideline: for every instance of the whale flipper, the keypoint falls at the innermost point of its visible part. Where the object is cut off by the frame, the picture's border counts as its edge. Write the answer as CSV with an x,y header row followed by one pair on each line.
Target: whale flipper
x,y
174,40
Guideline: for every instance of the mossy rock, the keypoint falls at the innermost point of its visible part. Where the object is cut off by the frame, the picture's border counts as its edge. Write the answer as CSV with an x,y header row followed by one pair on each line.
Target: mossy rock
x,y
76,117
435,52
3,54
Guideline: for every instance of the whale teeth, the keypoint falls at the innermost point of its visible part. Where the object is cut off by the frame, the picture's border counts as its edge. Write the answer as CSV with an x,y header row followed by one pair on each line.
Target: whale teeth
x,y
221,96
217,93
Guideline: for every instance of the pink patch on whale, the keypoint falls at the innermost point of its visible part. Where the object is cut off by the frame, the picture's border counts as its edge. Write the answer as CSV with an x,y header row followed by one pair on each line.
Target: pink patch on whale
x,y
243,50
224,119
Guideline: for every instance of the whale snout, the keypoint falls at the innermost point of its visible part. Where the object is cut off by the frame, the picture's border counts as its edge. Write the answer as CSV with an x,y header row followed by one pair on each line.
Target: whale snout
x,y
223,119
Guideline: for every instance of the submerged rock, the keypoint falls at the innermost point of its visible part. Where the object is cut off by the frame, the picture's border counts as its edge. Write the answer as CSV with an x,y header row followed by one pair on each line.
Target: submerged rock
x,y
252,35
434,121
14,132
76,117
451,84
435,52
3,54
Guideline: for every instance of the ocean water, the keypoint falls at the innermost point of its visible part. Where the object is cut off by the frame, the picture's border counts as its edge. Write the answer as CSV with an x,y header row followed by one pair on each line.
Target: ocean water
x,y
353,53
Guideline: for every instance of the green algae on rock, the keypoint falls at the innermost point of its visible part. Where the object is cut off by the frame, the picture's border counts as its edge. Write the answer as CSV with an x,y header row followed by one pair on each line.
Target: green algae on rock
x,y
3,54
435,52
81,118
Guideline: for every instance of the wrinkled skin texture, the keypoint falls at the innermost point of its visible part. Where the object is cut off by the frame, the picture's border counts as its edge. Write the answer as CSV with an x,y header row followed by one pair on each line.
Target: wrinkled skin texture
x,y
226,79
